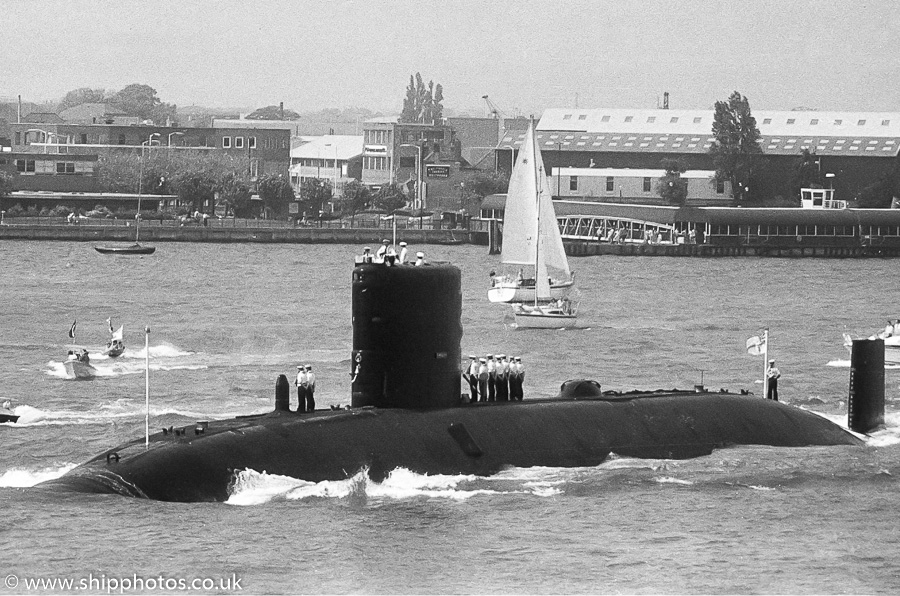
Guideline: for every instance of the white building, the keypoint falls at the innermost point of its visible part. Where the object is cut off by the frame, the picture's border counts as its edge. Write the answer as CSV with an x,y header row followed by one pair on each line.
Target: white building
x,y
331,157
635,185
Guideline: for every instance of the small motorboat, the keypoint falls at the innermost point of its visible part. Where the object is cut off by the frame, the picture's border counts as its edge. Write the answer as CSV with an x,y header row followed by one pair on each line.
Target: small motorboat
x,y
6,413
130,249
78,364
891,346
560,314
115,347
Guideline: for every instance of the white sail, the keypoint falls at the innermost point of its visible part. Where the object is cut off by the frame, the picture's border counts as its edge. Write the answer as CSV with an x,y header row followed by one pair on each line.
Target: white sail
x,y
551,250
520,213
118,333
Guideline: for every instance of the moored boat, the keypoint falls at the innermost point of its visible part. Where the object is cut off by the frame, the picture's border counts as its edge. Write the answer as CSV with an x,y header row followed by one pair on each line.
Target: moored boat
x,y
129,249
115,347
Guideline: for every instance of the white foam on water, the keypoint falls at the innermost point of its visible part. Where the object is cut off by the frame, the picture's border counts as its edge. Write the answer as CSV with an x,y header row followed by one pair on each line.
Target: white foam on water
x,y
671,480
25,477
255,488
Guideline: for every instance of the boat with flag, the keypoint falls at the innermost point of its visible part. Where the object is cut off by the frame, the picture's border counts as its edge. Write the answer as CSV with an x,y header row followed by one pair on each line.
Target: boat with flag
x,y
78,361
532,253
115,347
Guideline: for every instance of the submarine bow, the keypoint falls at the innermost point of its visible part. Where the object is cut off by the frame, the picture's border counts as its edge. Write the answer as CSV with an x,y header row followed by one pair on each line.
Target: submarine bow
x,y
407,412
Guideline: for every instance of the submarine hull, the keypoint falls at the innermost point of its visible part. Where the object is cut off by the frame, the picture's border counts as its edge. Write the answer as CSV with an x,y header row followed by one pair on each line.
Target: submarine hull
x,y
479,439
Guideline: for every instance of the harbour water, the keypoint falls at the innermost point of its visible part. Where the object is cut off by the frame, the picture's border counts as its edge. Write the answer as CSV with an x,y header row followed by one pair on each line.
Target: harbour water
x,y
227,319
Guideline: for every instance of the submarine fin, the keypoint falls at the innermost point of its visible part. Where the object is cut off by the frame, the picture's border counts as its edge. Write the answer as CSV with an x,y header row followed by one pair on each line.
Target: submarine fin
x,y
465,441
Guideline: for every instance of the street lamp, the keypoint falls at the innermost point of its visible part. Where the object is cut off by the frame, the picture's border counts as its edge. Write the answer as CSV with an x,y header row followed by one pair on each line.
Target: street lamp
x,y
172,134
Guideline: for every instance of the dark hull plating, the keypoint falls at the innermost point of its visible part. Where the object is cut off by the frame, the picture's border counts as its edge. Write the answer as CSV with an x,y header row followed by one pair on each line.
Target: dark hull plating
x,y
479,439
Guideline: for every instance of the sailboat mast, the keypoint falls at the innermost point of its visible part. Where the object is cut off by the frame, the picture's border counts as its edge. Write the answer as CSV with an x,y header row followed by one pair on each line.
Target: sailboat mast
x,y
538,172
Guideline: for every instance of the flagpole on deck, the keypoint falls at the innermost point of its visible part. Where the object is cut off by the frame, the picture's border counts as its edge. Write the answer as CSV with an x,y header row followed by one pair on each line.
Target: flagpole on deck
x,y
147,387
765,362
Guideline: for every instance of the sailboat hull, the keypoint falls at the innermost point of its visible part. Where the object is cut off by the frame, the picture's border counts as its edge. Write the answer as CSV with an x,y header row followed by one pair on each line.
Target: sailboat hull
x,y
542,317
132,249
512,291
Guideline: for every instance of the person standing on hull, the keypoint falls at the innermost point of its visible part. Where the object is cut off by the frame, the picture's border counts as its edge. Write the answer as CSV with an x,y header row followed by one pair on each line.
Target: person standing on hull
x,y
382,252
502,378
310,389
772,376
483,377
471,375
401,260
520,378
301,389
492,378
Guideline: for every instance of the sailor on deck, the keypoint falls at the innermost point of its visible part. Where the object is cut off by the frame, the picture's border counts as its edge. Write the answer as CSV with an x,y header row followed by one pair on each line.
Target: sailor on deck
x,y
520,378
383,251
367,255
492,378
310,389
483,377
502,378
420,259
302,386
471,375
772,376
403,254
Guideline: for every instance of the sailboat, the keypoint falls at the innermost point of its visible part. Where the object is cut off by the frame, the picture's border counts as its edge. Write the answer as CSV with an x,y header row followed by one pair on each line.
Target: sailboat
x,y
531,239
136,248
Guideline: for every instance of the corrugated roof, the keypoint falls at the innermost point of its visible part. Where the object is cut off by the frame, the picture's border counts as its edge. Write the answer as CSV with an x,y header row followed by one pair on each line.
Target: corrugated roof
x,y
690,131
630,172
324,147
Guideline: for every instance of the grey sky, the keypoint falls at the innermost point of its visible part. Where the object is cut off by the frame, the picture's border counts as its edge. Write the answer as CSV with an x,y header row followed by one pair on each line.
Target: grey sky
x,y
527,55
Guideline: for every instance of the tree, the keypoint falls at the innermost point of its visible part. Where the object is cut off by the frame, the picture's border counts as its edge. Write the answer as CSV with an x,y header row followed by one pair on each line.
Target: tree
x,y
197,187
671,187
314,193
276,193
423,103
357,197
234,192
6,184
76,97
141,101
880,193
735,151
389,198
272,113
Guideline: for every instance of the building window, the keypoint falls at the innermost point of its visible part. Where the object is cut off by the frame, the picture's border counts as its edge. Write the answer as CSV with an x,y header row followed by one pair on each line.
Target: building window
x,y
698,120
238,142
122,140
25,165
791,120
252,142
814,121
573,182
861,123
674,120
610,184
567,117
885,122
646,184
767,121
582,117
84,138
628,118
18,138
65,167
651,119
226,142
604,119
720,187
838,122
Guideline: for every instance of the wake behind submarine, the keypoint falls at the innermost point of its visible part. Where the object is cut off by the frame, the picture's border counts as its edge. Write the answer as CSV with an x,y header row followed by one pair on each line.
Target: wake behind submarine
x,y
406,411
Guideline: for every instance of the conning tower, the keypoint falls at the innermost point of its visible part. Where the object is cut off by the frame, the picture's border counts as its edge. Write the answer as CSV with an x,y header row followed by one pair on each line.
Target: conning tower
x,y
406,336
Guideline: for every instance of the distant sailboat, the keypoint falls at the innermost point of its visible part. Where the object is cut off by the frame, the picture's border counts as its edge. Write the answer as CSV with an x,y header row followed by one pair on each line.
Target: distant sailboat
x,y
115,347
528,202
135,248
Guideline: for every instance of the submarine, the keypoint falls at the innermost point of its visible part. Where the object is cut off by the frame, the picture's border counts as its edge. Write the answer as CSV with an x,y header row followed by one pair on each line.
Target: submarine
x,y
407,411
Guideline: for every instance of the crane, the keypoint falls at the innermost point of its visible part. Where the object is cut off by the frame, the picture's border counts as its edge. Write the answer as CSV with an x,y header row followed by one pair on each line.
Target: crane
x,y
493,110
